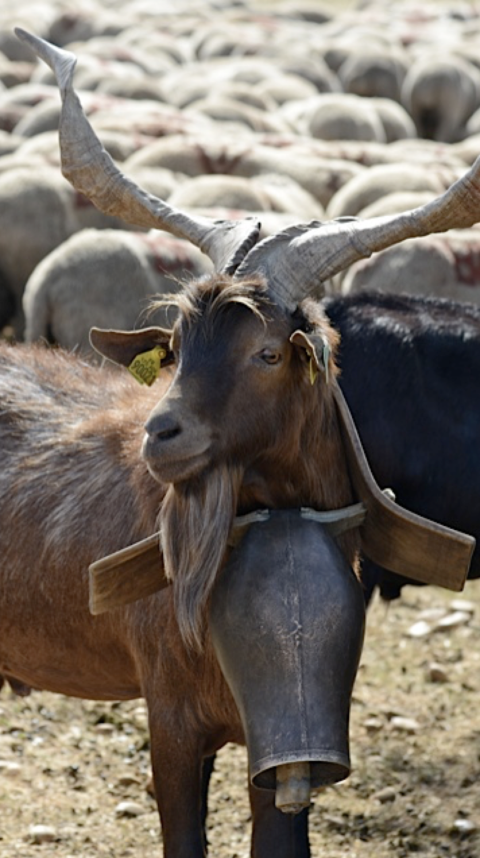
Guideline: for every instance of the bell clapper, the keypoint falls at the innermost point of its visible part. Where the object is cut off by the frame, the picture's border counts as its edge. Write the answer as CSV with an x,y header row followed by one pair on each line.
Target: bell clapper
x,y
292,792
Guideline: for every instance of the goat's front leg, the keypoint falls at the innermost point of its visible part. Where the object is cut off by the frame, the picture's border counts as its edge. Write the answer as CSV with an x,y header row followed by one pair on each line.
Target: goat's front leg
x,y
177,776
207,771
275,833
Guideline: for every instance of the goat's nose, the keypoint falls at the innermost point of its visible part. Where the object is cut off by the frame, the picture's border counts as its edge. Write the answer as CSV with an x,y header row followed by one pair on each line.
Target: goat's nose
x,y
162,427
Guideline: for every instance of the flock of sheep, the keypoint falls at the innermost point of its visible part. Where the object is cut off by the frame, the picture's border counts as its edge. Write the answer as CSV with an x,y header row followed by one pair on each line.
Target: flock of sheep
x,y
290,110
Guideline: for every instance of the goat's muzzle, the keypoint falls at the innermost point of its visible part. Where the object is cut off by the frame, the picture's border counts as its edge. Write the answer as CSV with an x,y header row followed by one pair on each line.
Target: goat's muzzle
x,y
175,446
287,623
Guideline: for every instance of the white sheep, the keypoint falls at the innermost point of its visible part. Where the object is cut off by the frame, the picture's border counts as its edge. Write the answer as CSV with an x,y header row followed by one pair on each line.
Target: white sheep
x,y
106,278
445,265
441,92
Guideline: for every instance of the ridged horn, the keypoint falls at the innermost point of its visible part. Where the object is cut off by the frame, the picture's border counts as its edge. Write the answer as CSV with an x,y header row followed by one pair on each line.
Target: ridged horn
x,y
92,172
296,262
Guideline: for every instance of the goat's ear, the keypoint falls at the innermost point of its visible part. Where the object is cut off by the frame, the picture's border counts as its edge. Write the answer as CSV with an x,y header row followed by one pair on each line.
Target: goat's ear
x,y
317,348
143,352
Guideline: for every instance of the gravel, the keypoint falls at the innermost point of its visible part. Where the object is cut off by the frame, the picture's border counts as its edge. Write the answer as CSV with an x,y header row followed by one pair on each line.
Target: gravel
x,y
74,774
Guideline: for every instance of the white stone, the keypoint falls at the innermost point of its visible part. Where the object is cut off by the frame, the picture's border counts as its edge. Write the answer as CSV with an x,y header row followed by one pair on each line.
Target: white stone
x,y
42,833
386,795
463,605
405,725
430,614
128,809
373,725
452,621
7,767
128,780
105,728
464,826
419,630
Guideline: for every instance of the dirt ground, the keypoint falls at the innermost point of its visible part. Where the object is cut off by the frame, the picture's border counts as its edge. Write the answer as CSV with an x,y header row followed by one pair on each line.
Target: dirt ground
x,y
70,770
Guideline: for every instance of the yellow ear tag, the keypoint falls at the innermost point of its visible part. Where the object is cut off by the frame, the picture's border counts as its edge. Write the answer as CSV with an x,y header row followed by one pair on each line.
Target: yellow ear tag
x,y
145,367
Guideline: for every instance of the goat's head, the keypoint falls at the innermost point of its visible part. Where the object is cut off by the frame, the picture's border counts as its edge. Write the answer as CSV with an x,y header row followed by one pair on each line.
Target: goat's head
x,y
243,381
244,345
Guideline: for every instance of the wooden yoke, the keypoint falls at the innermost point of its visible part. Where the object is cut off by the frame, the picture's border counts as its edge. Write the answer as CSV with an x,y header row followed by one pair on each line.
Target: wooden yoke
x,y
393,537
127,575
137,571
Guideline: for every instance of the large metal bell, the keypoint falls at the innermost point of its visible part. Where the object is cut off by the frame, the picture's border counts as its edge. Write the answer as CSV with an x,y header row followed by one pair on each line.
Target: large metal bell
x,y
287,623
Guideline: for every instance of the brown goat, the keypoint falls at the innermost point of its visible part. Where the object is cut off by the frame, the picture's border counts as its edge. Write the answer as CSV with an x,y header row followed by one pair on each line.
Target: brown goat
x,y
237,427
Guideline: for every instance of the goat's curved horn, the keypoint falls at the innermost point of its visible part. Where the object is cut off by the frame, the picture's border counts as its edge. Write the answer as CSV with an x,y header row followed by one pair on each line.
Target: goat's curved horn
x,y
296,262
92,172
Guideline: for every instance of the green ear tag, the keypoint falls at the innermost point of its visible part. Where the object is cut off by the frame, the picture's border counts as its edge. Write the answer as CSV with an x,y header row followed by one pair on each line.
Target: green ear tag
x,y
312,368
146,366
325,359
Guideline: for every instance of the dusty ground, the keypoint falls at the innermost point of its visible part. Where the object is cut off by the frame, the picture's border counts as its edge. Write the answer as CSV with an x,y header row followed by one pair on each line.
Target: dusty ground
x,y
415,743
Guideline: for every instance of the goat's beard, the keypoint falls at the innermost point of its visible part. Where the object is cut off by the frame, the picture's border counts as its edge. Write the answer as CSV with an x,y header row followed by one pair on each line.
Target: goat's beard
x,y
195,522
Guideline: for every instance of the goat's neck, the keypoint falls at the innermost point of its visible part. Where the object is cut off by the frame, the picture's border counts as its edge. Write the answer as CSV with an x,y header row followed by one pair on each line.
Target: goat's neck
x,y
318,478
311,471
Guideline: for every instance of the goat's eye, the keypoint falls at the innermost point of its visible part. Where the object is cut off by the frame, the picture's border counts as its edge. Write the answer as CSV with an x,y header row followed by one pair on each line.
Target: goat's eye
x,y
271,357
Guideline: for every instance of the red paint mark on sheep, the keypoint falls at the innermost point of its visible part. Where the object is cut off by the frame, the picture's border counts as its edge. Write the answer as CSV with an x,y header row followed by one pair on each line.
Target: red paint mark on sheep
x,y
467,265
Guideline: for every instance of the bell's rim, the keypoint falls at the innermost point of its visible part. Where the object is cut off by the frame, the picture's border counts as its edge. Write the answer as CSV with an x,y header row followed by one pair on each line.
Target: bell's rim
x,y
326,767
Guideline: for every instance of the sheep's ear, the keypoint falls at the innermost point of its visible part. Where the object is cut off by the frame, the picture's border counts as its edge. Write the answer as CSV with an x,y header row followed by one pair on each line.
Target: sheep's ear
x,y
143,352
317,347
